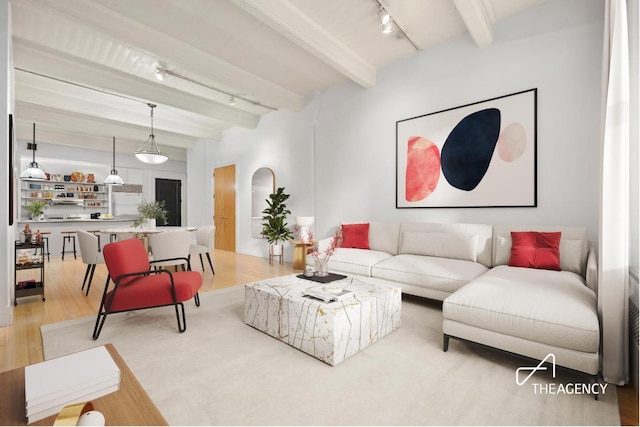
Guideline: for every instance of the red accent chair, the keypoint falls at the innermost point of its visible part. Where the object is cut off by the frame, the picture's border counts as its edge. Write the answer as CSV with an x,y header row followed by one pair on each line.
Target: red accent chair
x,y
136,286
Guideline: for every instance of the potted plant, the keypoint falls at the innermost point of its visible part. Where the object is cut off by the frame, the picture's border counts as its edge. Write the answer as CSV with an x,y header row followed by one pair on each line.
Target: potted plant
x,y
275,228
36,209
150,212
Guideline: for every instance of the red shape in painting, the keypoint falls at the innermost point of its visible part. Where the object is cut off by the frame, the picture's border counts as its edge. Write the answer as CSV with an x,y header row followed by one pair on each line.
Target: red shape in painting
x,y
423,168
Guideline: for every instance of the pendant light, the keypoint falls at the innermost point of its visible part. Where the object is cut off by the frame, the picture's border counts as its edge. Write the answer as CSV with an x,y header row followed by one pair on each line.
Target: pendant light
x,y
114,178
33,172
151,155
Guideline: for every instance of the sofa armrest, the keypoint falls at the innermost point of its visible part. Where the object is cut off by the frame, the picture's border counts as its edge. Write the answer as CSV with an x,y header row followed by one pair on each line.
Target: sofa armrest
x,y
324,244
592,269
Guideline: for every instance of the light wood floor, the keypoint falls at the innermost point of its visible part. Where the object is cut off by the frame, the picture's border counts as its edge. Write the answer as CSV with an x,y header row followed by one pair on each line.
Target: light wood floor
x,y
21,345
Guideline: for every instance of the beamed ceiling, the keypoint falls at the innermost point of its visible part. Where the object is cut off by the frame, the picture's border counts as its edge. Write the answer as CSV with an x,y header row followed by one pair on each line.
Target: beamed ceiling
x,y
84,70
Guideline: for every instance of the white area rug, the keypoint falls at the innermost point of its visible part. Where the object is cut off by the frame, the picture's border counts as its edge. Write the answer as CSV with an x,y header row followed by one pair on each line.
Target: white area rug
x,y
223,372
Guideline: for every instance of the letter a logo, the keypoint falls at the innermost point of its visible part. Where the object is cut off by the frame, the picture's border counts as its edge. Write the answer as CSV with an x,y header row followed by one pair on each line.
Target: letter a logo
x,y
537,368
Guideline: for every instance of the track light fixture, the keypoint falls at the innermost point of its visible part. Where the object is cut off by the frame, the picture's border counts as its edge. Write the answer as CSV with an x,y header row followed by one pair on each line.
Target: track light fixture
x,y
151,154
161,73
383,16
232,100
33,172
389,24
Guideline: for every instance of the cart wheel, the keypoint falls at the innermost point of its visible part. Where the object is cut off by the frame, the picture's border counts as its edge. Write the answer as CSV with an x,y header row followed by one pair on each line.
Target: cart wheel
x,y
15,303
42,298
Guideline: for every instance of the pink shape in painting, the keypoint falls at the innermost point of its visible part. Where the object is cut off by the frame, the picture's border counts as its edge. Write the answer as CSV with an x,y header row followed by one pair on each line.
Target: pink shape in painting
x,y
423,168
512,142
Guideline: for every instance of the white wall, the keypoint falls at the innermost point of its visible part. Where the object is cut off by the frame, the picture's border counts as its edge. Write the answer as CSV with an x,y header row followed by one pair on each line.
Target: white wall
x,y
349,131
6,231
283,143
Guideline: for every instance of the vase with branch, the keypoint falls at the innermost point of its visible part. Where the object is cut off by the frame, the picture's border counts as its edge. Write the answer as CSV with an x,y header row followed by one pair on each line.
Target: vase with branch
x,y
322,255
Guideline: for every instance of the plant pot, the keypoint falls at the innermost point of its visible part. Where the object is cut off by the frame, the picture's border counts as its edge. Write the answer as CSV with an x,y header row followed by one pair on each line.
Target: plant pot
x,y
275,249
151,224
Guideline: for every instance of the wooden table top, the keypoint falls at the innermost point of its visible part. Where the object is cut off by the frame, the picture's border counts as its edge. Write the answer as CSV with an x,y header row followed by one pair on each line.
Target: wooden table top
x,y
130,405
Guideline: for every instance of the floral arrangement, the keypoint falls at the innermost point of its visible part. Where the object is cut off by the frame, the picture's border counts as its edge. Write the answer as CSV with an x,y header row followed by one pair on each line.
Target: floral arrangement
x,y
151,210
321,257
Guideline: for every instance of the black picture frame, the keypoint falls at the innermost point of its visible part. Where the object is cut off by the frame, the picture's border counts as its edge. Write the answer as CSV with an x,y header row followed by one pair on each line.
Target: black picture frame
x,y
477,155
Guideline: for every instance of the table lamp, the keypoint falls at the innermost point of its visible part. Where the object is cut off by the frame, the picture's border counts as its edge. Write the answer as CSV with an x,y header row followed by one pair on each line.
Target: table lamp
x,y
304,222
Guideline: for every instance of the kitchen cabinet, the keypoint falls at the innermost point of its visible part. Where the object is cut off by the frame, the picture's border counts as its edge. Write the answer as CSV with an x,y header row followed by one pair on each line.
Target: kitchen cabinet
x,y
26,260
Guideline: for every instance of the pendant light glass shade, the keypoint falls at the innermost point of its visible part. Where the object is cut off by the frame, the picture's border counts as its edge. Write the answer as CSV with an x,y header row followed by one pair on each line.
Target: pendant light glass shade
x,y
33,172
114,178
149,152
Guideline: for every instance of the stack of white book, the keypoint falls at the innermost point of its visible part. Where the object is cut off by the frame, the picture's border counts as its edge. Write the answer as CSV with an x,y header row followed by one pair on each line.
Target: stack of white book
x,y
328,294
75,378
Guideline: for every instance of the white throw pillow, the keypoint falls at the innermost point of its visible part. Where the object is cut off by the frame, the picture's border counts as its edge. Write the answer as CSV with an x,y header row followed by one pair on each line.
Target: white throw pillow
x,y
445,245
570,253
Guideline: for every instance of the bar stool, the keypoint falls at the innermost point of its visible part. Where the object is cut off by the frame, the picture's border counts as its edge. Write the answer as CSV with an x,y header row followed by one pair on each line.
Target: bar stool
x,y
68,236
45,240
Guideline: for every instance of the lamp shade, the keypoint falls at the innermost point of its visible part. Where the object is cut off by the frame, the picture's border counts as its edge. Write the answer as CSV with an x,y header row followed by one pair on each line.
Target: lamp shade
x,y
305,221
34,171
149,151
151,157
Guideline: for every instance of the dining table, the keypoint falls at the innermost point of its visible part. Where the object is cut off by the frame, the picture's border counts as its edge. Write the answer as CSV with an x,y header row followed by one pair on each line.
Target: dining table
x,y
142,233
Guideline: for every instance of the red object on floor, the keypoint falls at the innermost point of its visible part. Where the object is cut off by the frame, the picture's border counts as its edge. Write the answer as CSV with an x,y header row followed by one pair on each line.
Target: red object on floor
x,y
136,286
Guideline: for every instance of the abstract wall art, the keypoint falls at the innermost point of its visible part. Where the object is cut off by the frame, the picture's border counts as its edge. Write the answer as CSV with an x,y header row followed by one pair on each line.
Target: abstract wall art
x,y
476,155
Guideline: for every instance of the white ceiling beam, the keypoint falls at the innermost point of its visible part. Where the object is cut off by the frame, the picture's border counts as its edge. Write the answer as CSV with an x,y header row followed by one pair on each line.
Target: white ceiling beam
x,y
53,94
478,17
45,61
90,14
91,125
289,21
50,134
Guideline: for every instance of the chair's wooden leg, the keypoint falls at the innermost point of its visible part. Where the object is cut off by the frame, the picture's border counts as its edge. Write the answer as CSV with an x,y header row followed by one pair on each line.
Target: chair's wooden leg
x,y
86,274
93,270
210,263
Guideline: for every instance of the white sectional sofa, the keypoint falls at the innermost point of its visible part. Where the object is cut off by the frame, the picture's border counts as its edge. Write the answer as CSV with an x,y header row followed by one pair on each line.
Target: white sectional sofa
x,y
527,311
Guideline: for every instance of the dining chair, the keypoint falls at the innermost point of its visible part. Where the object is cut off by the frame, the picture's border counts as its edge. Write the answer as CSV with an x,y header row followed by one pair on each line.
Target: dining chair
x,y
138,287
170,248
91,255
204,244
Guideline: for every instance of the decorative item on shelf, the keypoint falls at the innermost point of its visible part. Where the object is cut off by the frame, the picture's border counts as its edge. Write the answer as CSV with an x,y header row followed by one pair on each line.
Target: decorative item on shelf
x,y
321,257
34,171
275,228
113,178
150,212
303,223
152,154
27,233
36,209
91,178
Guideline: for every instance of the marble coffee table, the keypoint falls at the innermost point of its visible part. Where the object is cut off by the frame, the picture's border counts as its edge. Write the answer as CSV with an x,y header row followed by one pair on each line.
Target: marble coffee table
x,y
331,332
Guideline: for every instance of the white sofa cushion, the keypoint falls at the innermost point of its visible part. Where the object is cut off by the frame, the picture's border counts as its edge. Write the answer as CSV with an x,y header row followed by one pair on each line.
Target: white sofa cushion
x,y
442,274
384,237
483,231
550,307
446,245
353,261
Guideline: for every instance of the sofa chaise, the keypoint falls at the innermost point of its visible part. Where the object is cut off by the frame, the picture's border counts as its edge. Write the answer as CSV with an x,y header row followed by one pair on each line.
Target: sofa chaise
x,y
528,311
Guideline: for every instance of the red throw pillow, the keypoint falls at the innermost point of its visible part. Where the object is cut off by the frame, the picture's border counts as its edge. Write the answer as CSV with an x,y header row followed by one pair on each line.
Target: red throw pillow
x,y
533,249
355,236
